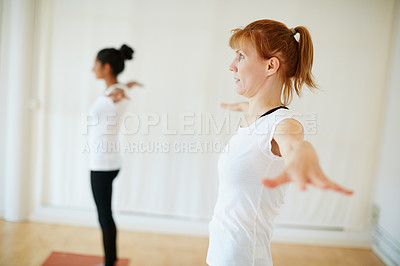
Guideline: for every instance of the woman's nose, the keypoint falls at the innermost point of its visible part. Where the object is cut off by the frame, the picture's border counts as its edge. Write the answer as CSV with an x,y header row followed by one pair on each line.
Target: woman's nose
x,y
232,67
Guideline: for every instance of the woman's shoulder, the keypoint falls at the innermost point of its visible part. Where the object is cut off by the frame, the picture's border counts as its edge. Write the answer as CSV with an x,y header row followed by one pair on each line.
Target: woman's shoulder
x,y
268,122
105,101
276,115
102,104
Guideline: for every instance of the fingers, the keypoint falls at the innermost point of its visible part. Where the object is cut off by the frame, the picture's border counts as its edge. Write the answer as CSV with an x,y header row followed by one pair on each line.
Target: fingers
x,y
279,180
228,106
118,96
301,180
233,106
130,84
134,83
244,106
285,178
319,180
323,182
339,188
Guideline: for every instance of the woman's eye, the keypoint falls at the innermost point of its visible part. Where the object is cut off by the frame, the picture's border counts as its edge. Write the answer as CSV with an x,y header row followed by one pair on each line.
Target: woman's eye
x,y
241,57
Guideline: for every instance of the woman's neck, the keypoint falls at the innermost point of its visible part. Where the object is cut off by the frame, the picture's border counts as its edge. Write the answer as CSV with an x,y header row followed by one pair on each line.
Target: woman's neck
x,y
264,101
257,107
110,80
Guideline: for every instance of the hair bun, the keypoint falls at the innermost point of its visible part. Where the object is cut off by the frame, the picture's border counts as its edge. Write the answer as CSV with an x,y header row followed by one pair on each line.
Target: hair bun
x,y
126,52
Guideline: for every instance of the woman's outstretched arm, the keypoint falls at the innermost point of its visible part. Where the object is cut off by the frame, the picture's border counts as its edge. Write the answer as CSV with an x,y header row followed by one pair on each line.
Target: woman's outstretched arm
x,y
302,163
119,94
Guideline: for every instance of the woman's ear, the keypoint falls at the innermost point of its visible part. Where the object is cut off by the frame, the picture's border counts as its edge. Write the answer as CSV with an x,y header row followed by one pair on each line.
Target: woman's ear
x,y
272,66
107,68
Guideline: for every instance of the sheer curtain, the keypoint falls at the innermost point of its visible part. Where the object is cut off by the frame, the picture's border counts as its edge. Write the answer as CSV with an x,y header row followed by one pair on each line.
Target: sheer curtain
x,y
182,58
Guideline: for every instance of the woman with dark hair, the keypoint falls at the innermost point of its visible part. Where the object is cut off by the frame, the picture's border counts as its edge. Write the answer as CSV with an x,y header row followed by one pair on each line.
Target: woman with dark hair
x,y
104,160
269,67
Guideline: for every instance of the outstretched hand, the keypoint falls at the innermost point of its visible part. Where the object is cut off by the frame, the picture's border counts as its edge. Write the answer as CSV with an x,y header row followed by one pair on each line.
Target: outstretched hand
x,y
318,180
301,159
241,107
118,95
133,83
304,169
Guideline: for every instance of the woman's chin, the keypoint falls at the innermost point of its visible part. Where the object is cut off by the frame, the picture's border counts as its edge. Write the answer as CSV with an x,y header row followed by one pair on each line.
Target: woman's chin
x,y
239,91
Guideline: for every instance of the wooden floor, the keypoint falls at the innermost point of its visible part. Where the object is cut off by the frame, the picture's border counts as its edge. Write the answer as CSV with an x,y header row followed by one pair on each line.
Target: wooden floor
x,y
31,243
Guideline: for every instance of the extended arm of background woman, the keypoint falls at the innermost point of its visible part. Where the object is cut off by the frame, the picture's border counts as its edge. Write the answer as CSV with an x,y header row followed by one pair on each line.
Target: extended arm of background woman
x,y
119,94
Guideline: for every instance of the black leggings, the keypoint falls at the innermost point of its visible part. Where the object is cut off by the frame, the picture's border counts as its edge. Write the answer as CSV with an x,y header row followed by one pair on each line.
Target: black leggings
x,y
102,191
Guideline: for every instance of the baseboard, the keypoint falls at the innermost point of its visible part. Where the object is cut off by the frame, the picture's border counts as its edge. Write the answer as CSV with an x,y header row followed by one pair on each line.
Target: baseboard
x,y
189,227
322,236
386,246
130,221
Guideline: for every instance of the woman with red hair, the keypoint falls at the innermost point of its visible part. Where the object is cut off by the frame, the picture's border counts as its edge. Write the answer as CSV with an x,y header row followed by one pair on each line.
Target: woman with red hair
x,y
269,67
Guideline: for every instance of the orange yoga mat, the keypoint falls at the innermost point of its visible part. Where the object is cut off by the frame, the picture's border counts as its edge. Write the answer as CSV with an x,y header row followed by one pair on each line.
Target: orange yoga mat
x,y
69,259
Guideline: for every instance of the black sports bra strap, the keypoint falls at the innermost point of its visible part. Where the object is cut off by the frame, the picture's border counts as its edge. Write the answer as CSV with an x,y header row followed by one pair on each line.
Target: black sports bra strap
x,y
273,110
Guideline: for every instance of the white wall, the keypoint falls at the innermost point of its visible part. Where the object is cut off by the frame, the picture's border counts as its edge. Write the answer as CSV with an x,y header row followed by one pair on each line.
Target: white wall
x,y
17,40
387,187
3,91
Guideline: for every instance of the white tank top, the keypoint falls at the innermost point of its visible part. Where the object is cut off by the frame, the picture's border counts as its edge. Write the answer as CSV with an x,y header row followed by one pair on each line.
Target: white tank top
x,y
104,118
242,224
